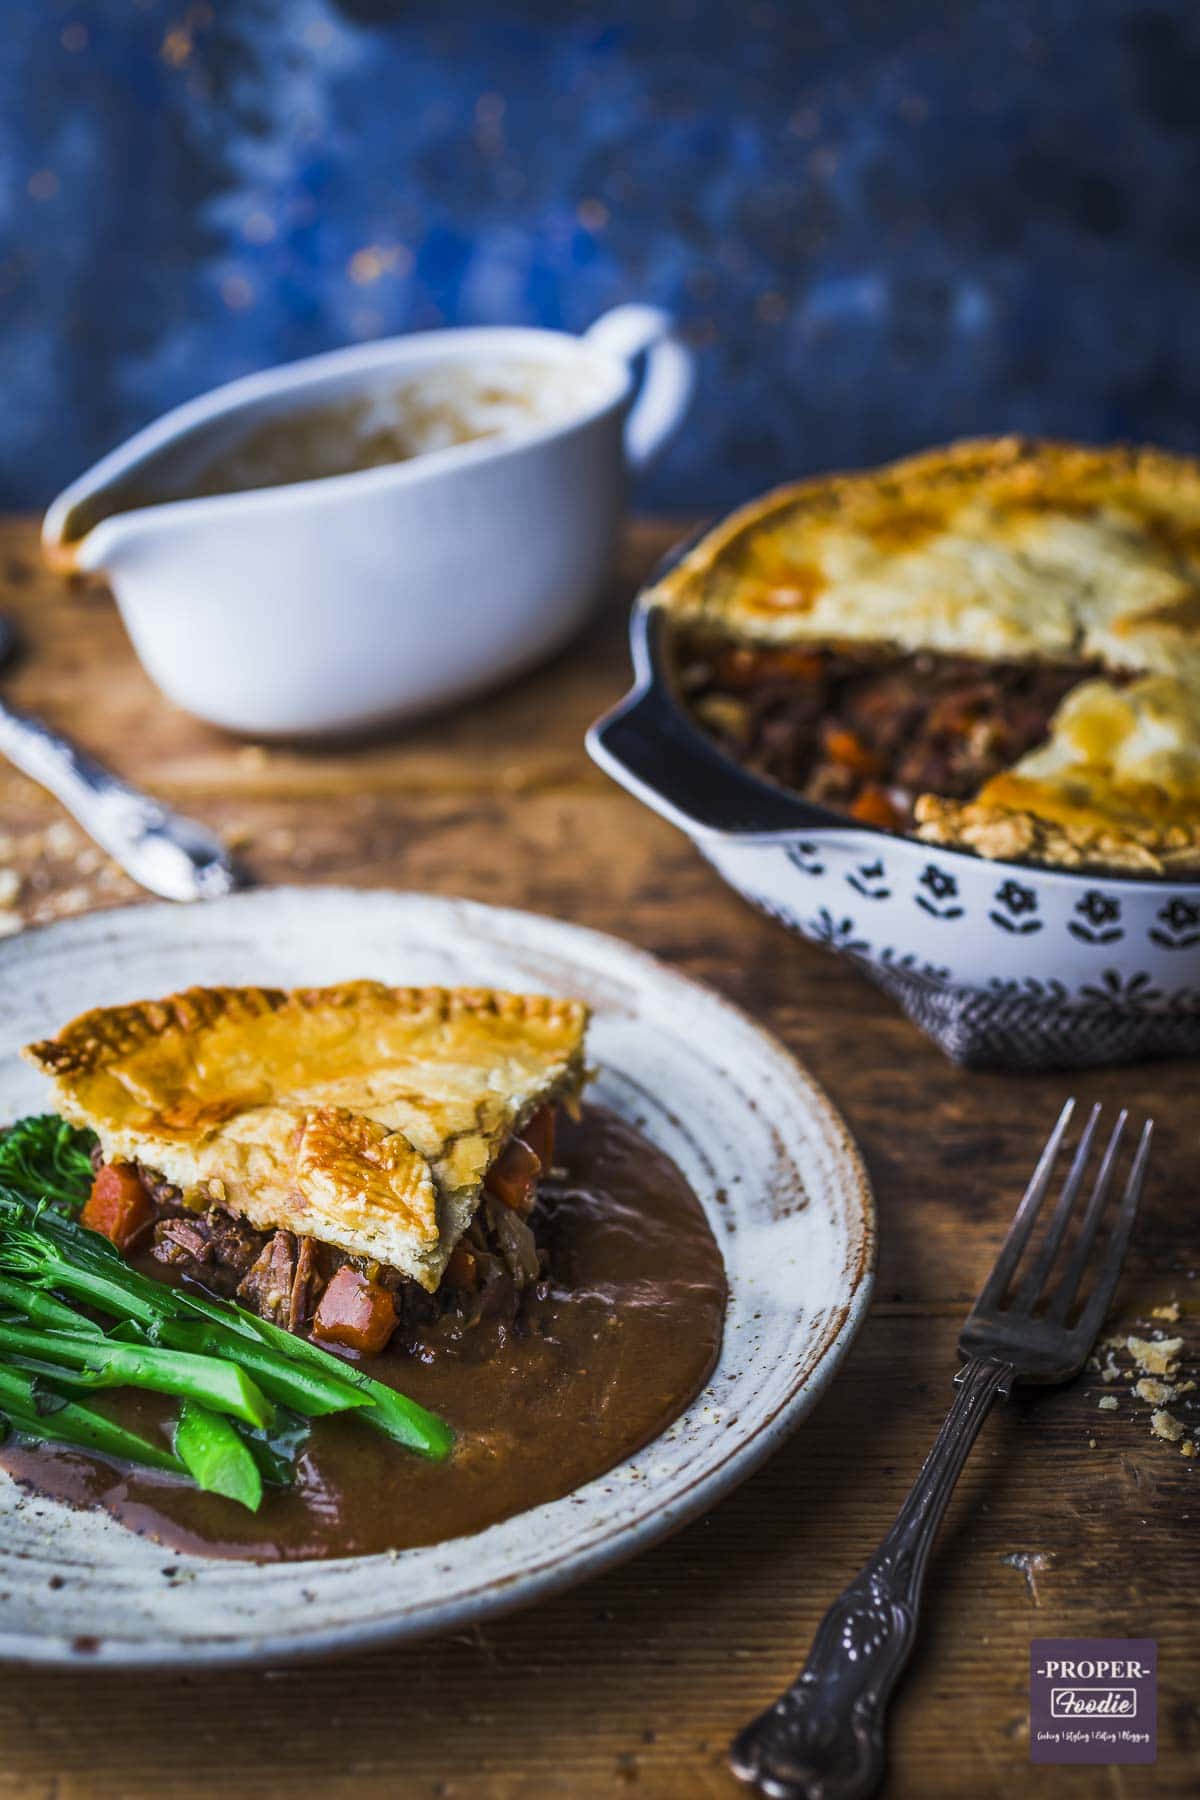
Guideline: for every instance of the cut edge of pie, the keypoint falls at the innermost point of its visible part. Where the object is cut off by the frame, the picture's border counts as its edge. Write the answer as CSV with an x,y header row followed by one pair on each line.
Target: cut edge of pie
x,y
1010,550
363,1116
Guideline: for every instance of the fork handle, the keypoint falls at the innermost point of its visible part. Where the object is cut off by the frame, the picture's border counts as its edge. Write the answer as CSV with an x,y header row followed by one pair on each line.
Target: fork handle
x,y
823,1739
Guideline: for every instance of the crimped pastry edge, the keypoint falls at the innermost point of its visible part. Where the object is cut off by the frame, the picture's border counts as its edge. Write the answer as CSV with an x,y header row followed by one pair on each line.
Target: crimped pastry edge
x,y
1002,834
997,465
106,1032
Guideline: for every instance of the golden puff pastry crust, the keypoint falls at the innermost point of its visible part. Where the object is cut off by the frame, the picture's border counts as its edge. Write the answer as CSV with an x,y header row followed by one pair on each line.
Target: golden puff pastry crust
x,y
361,1115
1003,549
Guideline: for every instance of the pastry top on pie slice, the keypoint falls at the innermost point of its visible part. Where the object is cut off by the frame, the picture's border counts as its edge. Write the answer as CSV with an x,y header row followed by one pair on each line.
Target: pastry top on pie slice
x,y
1003,551
363,1116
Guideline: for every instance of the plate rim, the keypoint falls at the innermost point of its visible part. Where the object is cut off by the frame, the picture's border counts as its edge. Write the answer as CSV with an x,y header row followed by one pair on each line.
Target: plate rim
x,y
622,1541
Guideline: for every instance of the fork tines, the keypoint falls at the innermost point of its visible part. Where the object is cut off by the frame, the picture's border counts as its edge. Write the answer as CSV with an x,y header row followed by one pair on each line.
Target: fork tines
x,y
1034,1285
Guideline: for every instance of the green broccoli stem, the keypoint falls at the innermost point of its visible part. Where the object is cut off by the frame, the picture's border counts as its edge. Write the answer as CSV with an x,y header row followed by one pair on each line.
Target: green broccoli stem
x,y
304,1390
45,1266
56,1253
44,1309
395,1415
221,1385
69,1423
216,1457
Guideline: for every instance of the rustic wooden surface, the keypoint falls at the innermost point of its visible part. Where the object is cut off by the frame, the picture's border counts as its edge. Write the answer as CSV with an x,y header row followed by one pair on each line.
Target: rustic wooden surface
x,y
635,1682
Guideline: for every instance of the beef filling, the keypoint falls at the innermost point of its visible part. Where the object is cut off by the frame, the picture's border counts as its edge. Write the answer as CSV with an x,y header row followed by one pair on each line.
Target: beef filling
x,y
278,1284
282,1277
864,733
290,1279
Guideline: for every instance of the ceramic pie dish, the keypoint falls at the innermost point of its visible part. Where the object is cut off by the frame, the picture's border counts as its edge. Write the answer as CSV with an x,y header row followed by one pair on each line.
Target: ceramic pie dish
x,y
1043,907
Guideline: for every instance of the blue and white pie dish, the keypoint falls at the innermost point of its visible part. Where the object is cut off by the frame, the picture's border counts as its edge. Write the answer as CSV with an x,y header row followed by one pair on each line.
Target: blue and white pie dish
x,y
1004,964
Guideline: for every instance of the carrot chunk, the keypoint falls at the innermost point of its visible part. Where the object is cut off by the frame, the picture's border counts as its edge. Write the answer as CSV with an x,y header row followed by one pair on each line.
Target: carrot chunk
x,y
873,807
847,748
740,667
355,1312
538,1133
462,1270
513,1176
119,1206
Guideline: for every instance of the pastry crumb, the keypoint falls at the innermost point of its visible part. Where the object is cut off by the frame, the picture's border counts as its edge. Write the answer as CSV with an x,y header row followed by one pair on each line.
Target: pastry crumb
x,y
1188,1447
72,900
59,839
1154,1392
1169,1313
1107,1403
1166,1425
1156,1356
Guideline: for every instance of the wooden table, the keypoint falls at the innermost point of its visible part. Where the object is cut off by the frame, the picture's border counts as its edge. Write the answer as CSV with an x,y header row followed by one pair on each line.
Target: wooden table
x,y
1070,1520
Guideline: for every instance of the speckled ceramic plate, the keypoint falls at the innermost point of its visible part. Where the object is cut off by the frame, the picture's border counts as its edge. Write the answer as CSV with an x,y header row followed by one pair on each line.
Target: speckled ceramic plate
x,y
761,1145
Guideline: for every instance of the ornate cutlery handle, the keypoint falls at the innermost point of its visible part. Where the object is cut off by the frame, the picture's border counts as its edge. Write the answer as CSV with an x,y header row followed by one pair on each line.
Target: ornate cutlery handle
x,y
823,1739
170,855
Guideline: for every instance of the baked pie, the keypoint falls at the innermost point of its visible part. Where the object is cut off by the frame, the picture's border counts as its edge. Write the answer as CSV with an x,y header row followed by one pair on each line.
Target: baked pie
x,y
994,646
281,1139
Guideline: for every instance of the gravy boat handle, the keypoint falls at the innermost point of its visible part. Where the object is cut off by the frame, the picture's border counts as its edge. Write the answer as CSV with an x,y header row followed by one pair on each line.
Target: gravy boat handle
x,y
669,376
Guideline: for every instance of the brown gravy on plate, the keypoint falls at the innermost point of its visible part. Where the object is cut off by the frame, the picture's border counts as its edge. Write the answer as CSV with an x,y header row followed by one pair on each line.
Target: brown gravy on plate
x,y
625,1339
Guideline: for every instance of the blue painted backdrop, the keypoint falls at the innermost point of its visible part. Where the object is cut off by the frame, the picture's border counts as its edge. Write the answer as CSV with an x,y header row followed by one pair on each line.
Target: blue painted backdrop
x,y
885,222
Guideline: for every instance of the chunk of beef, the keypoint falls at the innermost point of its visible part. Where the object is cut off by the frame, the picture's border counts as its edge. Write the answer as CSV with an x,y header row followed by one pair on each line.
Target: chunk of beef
x,y
235,1245
279,1284
268,1284
283,1277
161,1191
213,1248
300,1304
183,1243
515,1242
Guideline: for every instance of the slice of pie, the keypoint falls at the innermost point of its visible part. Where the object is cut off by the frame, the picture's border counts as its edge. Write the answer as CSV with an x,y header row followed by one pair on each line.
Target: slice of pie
x,y
996,646
361,1119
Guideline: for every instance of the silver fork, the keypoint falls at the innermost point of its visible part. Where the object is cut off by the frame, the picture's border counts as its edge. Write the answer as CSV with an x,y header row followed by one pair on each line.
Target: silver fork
x,y
823,1739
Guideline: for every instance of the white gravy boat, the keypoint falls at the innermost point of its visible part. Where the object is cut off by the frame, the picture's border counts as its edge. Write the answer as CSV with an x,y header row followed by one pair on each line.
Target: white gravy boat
x,y
332,604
